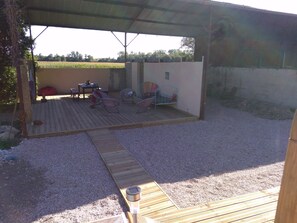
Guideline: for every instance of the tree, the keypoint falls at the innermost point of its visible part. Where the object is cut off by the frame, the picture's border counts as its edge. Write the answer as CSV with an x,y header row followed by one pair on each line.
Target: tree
x,y
188,44
74,56
88,58
7,74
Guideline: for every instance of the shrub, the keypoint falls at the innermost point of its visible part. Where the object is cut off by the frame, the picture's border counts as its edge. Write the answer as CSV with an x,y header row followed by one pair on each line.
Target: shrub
x,y
8,86
8,74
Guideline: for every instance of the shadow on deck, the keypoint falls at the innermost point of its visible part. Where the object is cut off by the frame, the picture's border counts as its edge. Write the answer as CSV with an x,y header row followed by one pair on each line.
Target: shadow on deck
x,y
62,115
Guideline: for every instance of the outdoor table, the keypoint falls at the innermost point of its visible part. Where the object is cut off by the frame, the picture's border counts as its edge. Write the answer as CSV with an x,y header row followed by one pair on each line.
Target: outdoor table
x,y
85,86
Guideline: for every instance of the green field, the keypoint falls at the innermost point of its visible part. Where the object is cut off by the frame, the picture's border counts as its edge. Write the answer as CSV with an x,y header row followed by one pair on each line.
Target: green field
x,y
49,64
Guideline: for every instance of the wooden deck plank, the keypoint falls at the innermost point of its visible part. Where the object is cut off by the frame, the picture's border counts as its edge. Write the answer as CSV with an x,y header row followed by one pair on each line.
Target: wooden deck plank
x,y
123,167
133,176
258,212
238,200
263,217
133,181
235,200
62,115
85,120
73,122
222,212
156,207
59,120
132,170
153,201
116,156
46,113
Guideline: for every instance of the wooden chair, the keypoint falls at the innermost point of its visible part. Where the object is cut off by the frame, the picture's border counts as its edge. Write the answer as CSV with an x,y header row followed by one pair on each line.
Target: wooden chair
x,y
150,89
110,104
74,94
144,105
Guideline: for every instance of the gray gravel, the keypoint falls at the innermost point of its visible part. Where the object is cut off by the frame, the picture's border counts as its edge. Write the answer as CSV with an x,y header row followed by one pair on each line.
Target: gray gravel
x,y
230,153
78,187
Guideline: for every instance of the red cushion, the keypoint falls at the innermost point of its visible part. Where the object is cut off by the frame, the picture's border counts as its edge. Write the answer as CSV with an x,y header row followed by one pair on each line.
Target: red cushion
x,y
47,91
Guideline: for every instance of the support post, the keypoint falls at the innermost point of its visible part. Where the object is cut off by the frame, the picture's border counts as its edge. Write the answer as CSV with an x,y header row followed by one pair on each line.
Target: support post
x,y
33,64
202,47
26,91
284,59
286,211
125,45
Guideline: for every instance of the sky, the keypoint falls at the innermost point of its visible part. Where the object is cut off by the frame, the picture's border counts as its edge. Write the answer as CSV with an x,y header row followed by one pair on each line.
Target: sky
x,y
102,44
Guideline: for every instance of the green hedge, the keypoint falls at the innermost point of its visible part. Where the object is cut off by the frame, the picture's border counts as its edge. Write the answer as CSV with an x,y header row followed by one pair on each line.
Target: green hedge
x,y
8,86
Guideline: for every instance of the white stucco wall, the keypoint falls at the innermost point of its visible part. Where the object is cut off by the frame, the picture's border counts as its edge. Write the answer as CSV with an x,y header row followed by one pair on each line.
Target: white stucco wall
x,y
135,77
272,85
186,77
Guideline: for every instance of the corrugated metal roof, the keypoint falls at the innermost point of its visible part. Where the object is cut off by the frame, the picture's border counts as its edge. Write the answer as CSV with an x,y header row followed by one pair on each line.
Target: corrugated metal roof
x,y
162,17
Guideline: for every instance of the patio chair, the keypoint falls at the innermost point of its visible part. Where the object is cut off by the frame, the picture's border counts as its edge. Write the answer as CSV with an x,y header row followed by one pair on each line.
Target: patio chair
x,y
150,89
110,104
127,95
144,101
143,105
74,94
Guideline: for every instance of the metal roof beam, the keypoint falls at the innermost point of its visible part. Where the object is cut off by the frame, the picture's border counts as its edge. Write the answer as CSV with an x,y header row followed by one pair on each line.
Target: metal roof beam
x,y
112,17
139,5
139,13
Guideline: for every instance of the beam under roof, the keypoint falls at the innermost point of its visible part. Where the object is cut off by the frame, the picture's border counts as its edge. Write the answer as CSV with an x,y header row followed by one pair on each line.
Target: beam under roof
x,y
161,17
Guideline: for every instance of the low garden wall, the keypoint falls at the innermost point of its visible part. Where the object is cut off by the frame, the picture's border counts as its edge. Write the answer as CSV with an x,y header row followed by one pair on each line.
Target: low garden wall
x,y
277,86
112,79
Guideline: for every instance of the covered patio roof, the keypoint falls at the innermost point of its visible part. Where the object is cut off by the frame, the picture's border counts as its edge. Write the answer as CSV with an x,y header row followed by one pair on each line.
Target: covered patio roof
x,y
189,18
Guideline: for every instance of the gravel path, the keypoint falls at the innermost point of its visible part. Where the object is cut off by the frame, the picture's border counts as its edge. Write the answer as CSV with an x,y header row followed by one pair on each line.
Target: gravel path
x,y
228,154
58,179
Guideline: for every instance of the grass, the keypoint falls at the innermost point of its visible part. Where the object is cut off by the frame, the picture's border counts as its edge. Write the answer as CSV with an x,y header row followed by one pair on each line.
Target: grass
x,y
53,65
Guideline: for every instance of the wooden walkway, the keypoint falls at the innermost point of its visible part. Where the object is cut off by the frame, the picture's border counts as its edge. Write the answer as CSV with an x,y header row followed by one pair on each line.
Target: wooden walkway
x,y
62,115
155,204
126,172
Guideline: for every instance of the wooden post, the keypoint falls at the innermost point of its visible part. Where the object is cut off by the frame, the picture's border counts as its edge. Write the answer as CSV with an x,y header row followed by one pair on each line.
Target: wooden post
x,y
26,91
287,202
202,48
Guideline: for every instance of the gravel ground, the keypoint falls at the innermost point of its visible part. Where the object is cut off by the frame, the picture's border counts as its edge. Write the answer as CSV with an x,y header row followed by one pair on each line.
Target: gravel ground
x,y
58,179
261,109
62,179
230,153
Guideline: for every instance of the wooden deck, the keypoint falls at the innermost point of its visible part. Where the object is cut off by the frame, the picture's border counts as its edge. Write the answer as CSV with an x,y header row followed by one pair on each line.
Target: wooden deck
x,y
62,115
126,172
155,204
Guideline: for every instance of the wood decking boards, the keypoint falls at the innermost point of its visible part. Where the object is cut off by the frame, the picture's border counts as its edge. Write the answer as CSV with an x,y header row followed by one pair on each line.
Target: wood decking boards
x,y
62,115
126,171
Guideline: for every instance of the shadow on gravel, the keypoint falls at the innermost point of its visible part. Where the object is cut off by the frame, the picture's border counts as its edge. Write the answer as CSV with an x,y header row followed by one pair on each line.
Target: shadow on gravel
x,y
20,188
57,179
